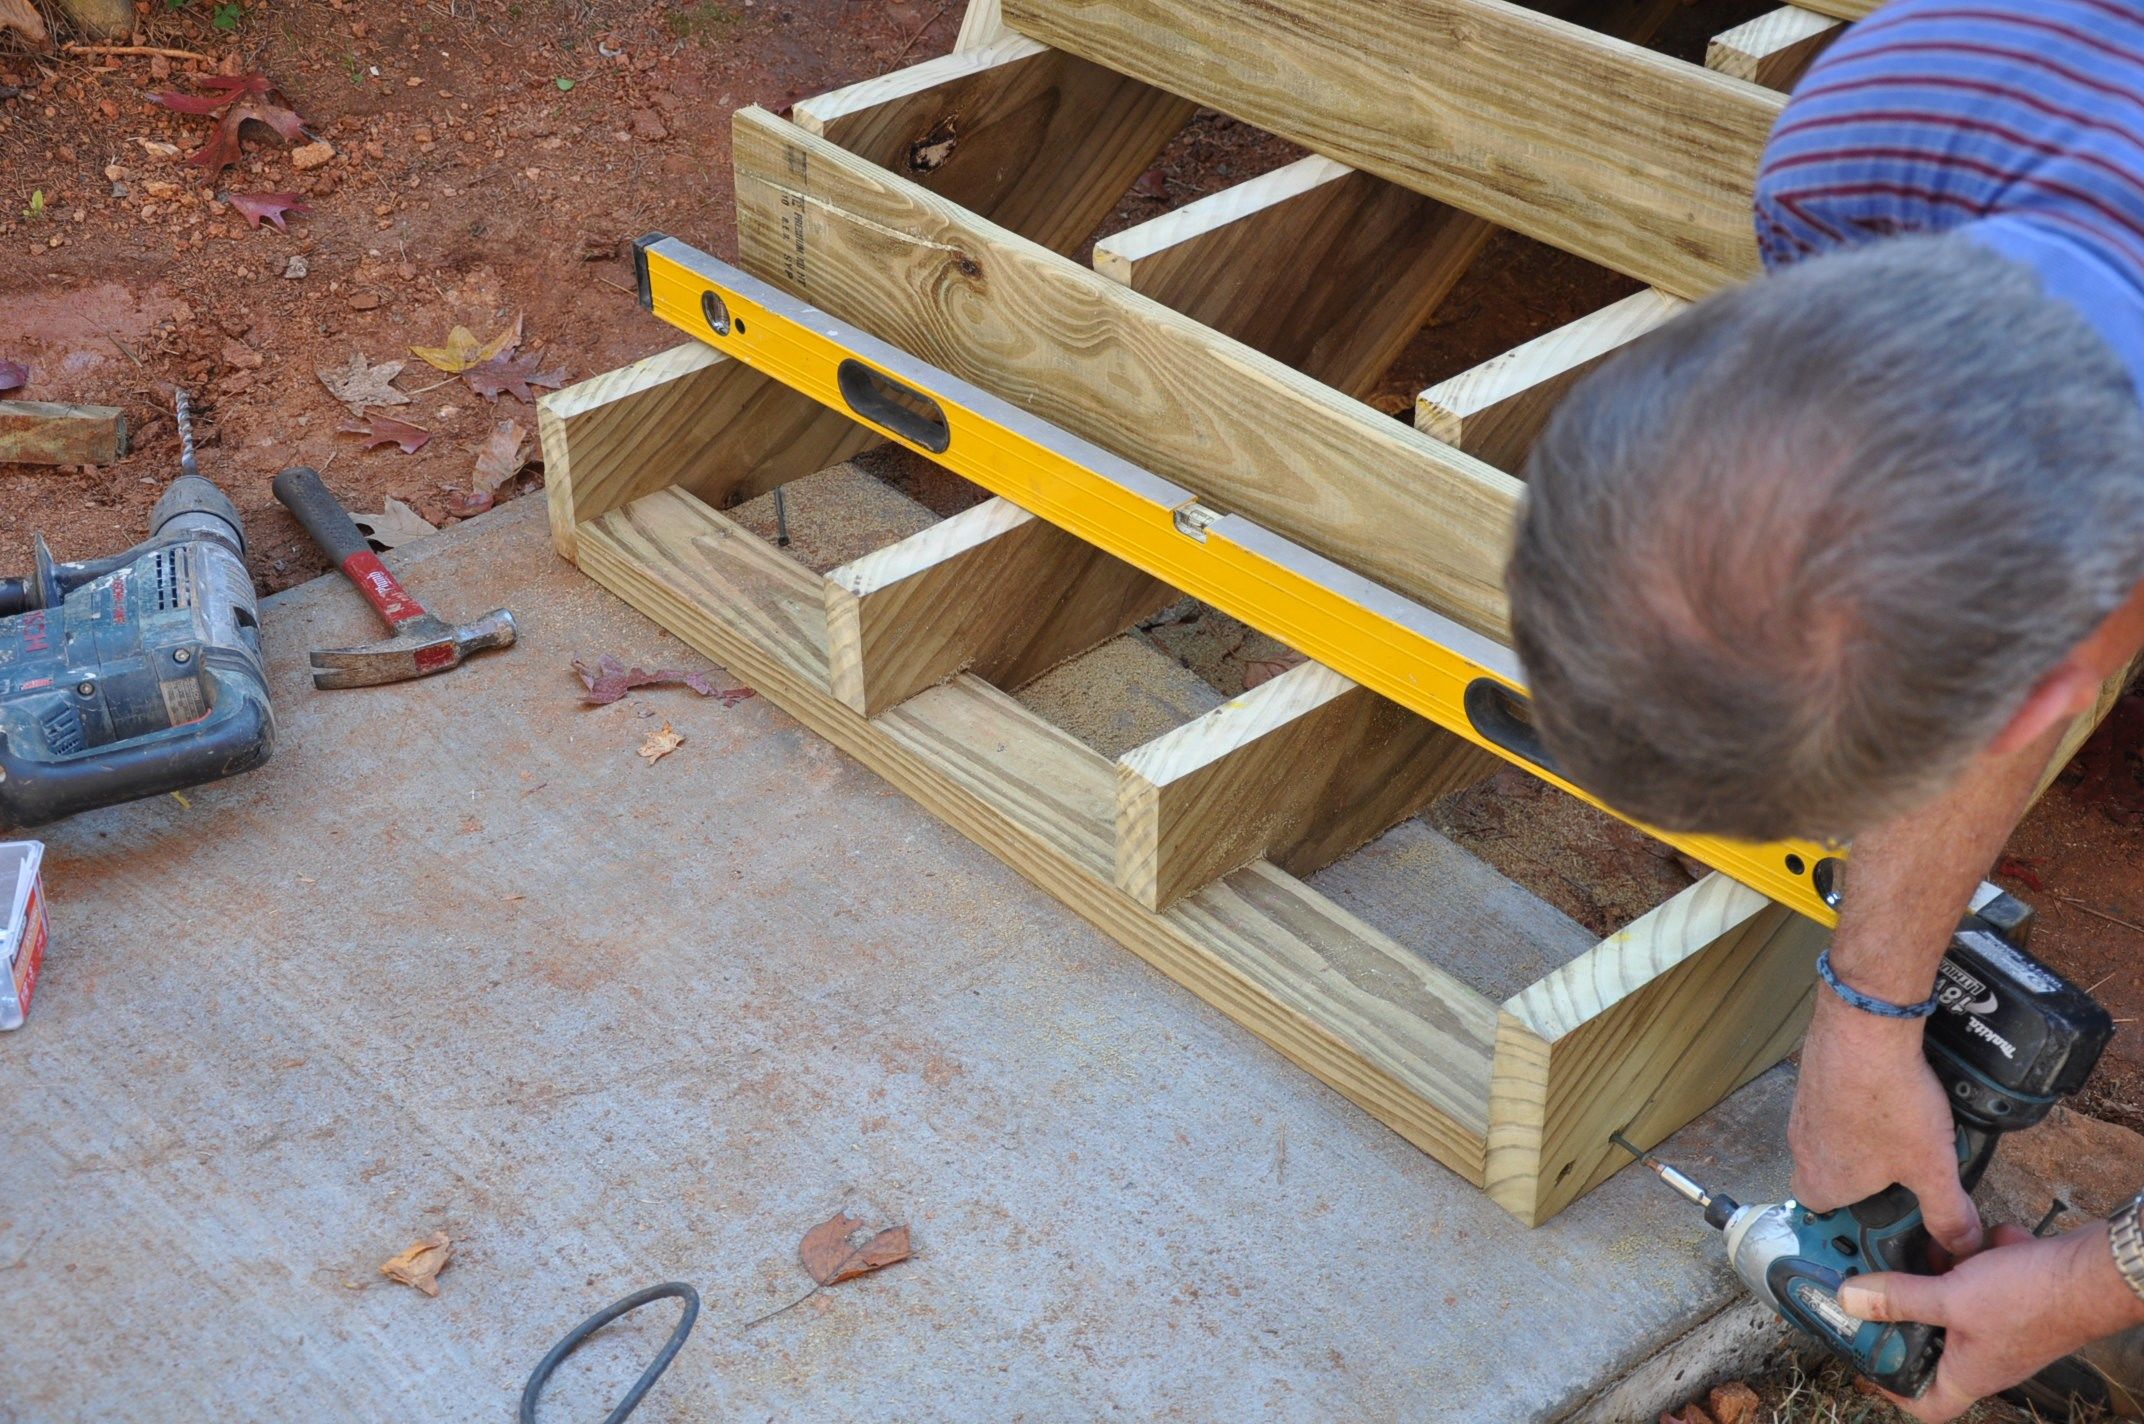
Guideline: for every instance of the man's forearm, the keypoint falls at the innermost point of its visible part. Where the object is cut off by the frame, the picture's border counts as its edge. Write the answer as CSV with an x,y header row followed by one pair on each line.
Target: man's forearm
x,y
1909,881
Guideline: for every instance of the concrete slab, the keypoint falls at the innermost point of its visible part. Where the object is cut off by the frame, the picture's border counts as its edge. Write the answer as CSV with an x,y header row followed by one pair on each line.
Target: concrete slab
x,y
459,960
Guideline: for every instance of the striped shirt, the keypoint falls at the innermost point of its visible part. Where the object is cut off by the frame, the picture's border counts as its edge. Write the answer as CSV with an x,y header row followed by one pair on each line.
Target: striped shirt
x,y
2017,122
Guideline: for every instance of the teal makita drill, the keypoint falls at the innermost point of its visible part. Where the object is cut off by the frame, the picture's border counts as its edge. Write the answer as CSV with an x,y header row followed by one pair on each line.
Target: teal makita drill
x,y
2011,1038
137,674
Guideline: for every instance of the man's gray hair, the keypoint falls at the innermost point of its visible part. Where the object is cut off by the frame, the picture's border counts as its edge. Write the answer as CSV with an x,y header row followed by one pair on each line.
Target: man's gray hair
x,y
1790,561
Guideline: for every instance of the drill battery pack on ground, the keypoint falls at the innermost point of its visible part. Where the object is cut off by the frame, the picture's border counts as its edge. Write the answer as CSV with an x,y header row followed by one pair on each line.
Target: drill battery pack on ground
x,y
137,674
2009,1040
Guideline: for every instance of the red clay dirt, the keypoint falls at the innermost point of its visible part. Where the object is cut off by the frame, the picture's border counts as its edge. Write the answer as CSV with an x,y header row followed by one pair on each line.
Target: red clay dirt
x,y
470,185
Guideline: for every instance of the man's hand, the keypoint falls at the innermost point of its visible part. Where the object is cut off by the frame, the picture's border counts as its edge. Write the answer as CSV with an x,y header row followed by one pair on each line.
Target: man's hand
x,y
2007,1313
1868,1112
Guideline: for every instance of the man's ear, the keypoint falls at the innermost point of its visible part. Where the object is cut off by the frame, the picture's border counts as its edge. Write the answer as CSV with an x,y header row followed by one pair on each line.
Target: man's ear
x,y
2067,692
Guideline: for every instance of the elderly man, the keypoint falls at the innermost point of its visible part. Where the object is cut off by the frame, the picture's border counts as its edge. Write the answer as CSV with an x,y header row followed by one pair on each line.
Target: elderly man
x,y
1842,552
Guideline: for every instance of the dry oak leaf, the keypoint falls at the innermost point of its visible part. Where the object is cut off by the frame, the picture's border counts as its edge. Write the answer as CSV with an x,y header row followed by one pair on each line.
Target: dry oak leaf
x,y
1735,1403
463,350
222,148
224,89
610,680
253,207
22,17
501,457
395,525
512,373
381,430
359,383
659,745
842,1248
421,1264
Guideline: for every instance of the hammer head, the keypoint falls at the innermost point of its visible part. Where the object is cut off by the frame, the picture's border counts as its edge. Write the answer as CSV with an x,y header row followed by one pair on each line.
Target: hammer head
x,y
420,647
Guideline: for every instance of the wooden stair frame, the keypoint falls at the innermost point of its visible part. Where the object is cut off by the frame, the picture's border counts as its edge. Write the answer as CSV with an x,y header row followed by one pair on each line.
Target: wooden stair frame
x,y
1493,1091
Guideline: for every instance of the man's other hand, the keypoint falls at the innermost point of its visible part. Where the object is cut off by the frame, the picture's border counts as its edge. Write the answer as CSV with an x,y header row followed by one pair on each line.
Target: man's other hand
x,y
1868,1111
2006,1314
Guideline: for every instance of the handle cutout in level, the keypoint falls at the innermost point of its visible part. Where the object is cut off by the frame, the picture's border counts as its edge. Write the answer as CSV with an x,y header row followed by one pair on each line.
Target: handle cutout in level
x,y
886,403
1504,718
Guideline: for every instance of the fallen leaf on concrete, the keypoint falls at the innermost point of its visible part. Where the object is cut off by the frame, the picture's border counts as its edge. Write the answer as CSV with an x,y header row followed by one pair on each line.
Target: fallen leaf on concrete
x,y
395,525
513,374
253,207
359,383
660,744
610,680
222,149
386,430
463,350
1734,1403
1688,1414
22,17
842,1248
224,89
501,457
13,374
421,1264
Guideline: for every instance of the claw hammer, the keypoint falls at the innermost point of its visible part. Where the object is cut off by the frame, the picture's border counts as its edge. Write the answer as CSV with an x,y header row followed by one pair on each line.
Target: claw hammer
x,y
421,643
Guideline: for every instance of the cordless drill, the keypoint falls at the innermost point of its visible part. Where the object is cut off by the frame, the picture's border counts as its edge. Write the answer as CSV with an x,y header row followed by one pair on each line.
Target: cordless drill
x,y
137,674
2010,1039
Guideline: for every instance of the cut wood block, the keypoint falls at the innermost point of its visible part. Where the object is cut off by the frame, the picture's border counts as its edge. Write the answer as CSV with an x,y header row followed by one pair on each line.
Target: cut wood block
x,y
1323,268
992,590
1842,9
980,24
1774,48
1496,410
688,417
48,433
1639,1035
1299,770
1243,432
1396,1036
1036,140
1629,158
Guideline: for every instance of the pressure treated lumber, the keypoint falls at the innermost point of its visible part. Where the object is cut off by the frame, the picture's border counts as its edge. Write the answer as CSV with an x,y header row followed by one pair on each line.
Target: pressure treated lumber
x,y
1634,160
1036,140
1319,266
1070,137
49,433
980,24
1495,411
698,420
1299,770
1394,1035
1244,433
1774,48
1639,1035
1324,268
992,590
1842,9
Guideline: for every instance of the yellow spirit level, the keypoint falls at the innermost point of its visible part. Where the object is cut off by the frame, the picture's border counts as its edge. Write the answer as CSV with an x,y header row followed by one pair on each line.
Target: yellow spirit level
x,y
1459,679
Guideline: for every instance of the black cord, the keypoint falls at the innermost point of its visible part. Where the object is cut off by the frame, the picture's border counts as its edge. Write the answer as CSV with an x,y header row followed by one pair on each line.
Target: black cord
x,y
603,1317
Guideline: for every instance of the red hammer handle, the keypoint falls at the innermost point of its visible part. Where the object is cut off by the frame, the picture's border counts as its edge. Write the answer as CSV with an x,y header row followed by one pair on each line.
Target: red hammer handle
x,y
323,516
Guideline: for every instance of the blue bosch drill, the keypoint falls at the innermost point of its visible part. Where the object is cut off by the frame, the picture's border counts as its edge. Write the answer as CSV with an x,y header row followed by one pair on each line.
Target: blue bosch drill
x,y
2010,1039
137,674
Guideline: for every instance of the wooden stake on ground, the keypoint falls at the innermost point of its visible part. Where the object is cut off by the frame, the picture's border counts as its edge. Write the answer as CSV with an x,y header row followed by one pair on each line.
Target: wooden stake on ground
x,y
48,433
